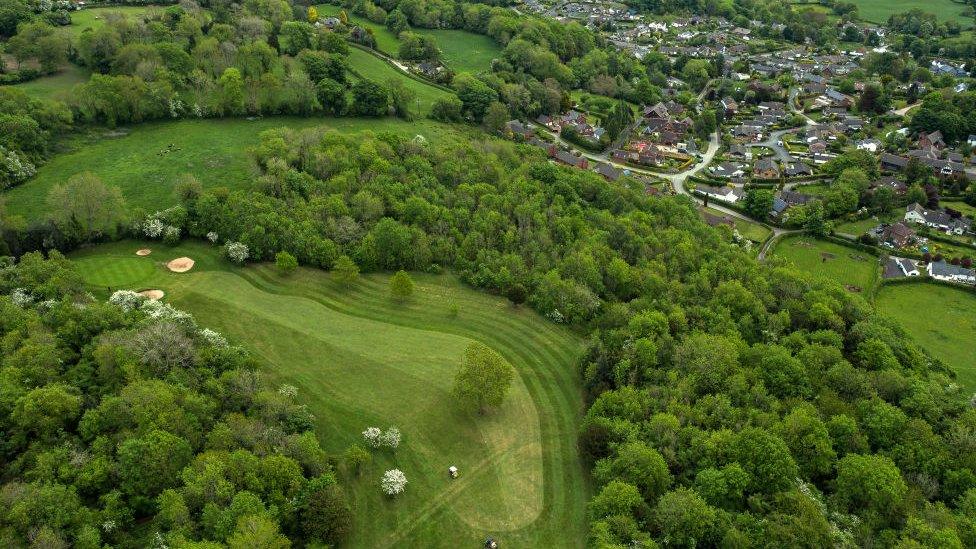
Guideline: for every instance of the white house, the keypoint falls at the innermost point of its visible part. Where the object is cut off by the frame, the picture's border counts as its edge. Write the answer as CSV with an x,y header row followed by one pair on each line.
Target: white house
x,y
940,270
727,194
937,219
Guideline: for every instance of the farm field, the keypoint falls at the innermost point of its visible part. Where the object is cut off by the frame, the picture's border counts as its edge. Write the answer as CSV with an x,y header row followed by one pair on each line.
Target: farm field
x,y
878,11
215,151
372,67
359,359
941,319
854,269
57,85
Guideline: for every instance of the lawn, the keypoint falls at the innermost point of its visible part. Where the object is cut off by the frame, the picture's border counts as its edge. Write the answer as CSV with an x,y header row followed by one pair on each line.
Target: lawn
x,y
878,11
386,41
857,228
359,359
854,269
378,70
57,85
941,319
966,209
212,150
93,18
755,232
464,51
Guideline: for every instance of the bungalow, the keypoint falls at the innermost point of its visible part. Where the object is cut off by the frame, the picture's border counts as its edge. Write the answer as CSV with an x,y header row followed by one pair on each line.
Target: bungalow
x,y
797,169
568,158
899,267
517,128
609,172
727,169
727,194
740,151
870,144
837,98
766,168
931,140
889,182
940,270
937,219
730,106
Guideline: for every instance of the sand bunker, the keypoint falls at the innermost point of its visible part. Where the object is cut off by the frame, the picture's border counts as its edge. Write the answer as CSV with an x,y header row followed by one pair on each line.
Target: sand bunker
x,y
180,265
152,295
143,252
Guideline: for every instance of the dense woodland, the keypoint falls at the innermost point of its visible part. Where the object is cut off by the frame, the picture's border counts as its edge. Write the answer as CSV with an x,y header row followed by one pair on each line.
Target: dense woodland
x,y
124,423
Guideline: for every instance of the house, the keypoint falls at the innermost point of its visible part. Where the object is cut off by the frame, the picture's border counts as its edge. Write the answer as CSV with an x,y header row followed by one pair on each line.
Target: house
x,y
896,236
937,219
899,267
331,22
766,168
727,169
609,172
893,163
786,200
893,183
727,194
797,169
940,270
430,70
715,220
568,158
740,151
515,128
869,144
730,106
931,140
837,98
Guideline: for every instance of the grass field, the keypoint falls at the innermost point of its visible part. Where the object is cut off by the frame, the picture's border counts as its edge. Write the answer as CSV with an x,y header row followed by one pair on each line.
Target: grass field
x,y
215,151
57,85
94,18
464,51
966,209
878,11
852,268
941,319
378,70
359,359
755,232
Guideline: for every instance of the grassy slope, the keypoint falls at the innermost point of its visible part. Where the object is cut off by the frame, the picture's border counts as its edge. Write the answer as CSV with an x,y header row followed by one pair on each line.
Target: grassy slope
x,y
361,360
94,18
386,41
878,11
755,232
57,85
378,70
805,253
212,150
464,51
941,319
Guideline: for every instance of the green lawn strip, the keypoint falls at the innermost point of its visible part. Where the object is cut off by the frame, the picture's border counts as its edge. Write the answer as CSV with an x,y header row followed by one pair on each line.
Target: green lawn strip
x,y
213,150
347,347
376,69
862,226
94,18
941,319
960,206
852,268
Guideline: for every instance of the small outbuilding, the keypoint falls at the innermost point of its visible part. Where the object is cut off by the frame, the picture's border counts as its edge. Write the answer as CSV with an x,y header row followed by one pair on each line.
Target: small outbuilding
x,y
453,471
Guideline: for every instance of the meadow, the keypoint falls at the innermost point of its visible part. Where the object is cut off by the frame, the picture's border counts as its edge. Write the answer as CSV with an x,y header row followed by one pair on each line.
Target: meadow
x,y
360,359
386,41
213,150
57,85
942,319
878,11
856,270
93,18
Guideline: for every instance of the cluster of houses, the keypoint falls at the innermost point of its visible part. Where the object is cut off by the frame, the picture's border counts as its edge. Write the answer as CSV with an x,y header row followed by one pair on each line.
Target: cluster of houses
x,y
575,119
900,267
932,151
900,235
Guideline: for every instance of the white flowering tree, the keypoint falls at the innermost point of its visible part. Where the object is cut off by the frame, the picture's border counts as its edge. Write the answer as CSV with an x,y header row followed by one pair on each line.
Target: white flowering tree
x,y
373,437
394,481
236,251
21,297
213,237
390,438
127,299
213,338
171,235
153,227
14,169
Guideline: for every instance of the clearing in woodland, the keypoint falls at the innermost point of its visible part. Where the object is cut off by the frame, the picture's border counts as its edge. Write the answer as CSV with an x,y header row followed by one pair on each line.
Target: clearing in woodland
x,y
360,359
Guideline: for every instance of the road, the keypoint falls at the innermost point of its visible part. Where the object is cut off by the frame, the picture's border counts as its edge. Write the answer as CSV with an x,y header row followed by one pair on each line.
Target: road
x,y
904,110
772,142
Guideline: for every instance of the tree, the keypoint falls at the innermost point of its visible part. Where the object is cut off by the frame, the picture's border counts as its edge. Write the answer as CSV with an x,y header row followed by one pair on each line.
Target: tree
x,y
325,514
44,410
401,98
496,117
474,94
685,519
332,96
637,464
870,483
286,262
238,252
86,208
759,202
370,99
346,270
312,15
401,286
257,532
151,463
394,482
483,380
447,109
231,94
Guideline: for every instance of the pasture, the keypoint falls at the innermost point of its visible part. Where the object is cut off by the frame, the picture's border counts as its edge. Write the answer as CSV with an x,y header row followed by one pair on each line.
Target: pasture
x,y
464,51
93,18
57,85
386,41
878,11
359,359
855,270
941,319
213,150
